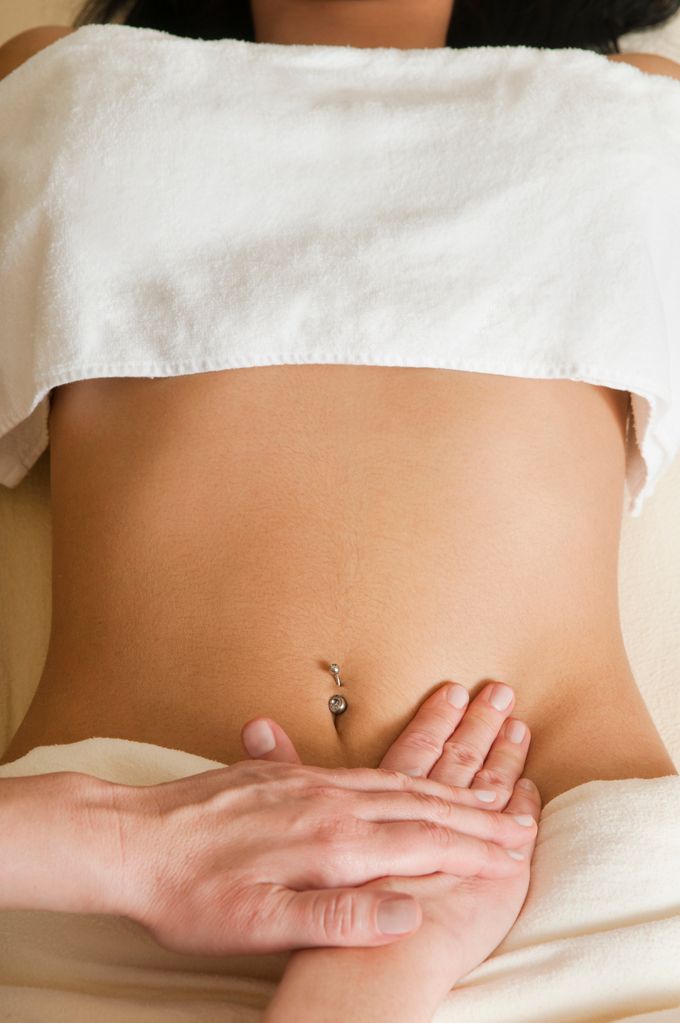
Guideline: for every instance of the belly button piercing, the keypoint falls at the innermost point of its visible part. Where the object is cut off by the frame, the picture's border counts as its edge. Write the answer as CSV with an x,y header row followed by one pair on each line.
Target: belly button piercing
x,y
337,704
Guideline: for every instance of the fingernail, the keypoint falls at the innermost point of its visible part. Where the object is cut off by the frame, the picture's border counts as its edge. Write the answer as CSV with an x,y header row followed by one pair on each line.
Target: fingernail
x,y
501,696
525,819
415,772
515,855
258,738
397,916
457,695
515,731
484,795
526,783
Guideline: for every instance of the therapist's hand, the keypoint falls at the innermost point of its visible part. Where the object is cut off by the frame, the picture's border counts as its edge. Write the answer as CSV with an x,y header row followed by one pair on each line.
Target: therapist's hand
x,y
464,918
265,857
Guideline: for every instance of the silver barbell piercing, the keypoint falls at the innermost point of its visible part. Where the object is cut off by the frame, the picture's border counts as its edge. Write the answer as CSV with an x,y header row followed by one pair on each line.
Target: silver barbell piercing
x,y
337,704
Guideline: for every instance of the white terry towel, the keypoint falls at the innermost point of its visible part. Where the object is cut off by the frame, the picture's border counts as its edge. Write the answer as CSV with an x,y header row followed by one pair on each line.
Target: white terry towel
x,y
598,938
174,206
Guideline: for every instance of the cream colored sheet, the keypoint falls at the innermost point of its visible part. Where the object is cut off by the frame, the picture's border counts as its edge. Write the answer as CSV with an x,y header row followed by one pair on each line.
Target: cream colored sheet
x,y
598,938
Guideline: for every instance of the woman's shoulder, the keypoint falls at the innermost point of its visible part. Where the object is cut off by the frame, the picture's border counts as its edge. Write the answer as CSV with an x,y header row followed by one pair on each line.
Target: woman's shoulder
x,y
25,44
651,63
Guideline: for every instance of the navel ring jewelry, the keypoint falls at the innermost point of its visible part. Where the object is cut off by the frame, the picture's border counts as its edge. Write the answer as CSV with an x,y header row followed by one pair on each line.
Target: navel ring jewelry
x,y
337,704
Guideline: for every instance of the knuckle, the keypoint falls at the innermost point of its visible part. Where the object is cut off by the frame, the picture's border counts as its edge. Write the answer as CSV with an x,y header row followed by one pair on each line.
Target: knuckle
x,y
253,771
335,844
337,915
421,741
434,806
338,828
462,754
317,812
325,792
327,856
294,776
397,779
494,778
483,723
434,832
488,853
333,796
336,776
498,825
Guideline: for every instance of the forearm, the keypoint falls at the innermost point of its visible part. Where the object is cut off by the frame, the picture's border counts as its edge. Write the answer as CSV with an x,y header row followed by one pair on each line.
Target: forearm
x,y
55,844
391,984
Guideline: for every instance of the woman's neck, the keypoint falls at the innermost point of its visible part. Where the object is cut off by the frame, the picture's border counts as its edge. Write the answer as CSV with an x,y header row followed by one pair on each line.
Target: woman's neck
x,y
404,24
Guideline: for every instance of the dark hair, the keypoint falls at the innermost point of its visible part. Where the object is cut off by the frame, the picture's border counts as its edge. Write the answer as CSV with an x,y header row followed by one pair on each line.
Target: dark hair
x,y
551,24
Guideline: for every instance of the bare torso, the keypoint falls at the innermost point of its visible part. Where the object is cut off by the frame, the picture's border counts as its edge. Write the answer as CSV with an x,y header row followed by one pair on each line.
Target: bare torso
x,y
219,539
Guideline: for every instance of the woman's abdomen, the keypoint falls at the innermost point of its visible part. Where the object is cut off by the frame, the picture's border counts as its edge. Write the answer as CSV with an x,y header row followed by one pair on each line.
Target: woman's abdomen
x,y
220,539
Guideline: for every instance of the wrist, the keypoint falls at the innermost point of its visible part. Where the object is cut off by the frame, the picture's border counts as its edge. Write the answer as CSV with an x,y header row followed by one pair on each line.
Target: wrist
x,y
396,983
55,844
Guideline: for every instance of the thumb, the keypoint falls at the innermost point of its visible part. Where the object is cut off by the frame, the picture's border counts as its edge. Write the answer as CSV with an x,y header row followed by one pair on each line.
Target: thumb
x,y
263,739
337,917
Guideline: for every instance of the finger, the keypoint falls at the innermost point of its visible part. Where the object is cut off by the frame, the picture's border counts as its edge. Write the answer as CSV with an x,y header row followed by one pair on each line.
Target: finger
x,y
263,739
468,820
526,800
376,779
255,735
358,779
419,746
397,849
335,917
504,763
464,752
415,848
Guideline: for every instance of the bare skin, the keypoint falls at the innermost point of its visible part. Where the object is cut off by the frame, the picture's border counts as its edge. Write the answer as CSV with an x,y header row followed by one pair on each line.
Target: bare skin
x,y
219,539
405,24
